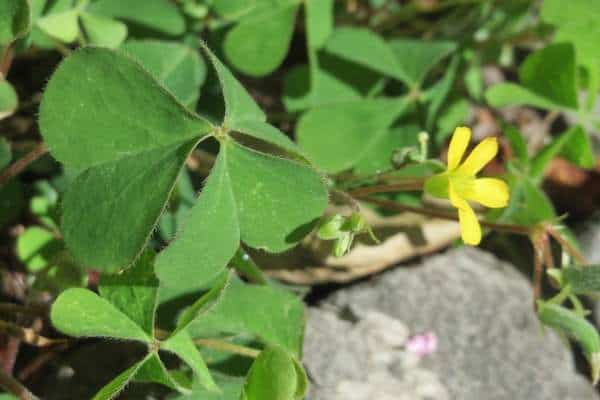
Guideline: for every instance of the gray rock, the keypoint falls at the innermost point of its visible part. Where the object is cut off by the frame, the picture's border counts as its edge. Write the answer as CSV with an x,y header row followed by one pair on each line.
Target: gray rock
x,y
589,239
365,360
588,235
490,343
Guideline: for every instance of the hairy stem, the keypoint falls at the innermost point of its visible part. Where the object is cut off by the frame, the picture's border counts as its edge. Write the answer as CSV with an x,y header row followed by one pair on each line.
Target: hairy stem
x,y
567,246
390,188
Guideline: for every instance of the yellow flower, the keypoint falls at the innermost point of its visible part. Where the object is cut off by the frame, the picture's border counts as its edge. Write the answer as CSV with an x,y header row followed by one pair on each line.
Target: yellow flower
x,y
459,183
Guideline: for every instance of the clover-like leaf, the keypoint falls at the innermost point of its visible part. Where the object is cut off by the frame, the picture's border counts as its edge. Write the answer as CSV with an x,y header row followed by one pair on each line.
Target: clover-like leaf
x,y
548,78
137,137
246,198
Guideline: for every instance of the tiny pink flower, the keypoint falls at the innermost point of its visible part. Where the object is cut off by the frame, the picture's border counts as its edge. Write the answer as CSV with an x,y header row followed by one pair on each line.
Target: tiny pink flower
x,y
423,344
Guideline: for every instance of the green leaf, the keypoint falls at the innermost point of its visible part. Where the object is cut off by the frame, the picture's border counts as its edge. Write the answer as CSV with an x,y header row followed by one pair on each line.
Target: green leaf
x,y
239,106
511,94
134,292
548,77
159,15
209,238
273,315
183,345
550,72
336,137
81,313
263,194
36,247
120,107
575,327
153,370
179,68
416,57
578,148
258,44
517,144
366,48
583,280
15,20
319,22
103,31
114,387
122,201
62,26
8,100
274,376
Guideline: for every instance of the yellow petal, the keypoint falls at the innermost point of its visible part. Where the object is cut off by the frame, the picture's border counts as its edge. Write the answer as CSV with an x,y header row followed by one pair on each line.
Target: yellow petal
x,y
490,192
458,145
470,231
482,154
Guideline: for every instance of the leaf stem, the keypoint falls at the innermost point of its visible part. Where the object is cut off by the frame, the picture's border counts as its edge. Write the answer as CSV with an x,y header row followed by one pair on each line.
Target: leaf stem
x,y
227,347
18,166
15,387
567,245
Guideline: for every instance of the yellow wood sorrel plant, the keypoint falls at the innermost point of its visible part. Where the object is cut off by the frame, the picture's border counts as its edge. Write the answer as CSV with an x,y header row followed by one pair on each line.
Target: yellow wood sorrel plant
x,y
126,114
